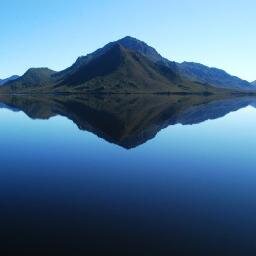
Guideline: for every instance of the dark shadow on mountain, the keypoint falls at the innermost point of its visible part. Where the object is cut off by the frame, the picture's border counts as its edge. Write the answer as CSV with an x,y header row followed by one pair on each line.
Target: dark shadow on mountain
x,y
126,120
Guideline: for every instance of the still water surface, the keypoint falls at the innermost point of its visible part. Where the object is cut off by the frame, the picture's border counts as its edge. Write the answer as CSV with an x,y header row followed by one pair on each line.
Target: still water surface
x,y
188,190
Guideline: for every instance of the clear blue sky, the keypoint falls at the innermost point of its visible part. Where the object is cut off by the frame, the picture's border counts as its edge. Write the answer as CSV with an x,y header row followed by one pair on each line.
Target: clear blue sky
x,y
53,33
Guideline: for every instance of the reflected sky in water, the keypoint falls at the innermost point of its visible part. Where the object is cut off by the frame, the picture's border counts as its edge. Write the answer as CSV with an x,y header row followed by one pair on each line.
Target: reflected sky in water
x,y
188,191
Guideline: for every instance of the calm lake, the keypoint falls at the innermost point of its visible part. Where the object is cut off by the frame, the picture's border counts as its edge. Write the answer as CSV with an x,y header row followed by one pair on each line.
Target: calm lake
x,y
127,175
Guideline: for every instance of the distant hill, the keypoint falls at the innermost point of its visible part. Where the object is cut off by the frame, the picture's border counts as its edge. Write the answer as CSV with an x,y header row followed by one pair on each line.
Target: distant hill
x,y
128,66
4,81
216,77
254,83
33,78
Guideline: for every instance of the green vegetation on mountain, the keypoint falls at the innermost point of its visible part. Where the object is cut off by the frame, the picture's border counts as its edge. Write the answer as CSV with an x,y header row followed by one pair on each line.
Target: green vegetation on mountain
x,y
127,66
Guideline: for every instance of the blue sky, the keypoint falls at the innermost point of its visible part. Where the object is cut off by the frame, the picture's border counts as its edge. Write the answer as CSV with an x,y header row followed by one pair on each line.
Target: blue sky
x,y
53,33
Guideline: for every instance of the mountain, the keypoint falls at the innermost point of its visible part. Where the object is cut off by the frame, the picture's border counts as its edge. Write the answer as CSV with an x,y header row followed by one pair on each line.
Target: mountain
x,y
120,70
4,81
254,83
189,70
114,69
127,66
129,43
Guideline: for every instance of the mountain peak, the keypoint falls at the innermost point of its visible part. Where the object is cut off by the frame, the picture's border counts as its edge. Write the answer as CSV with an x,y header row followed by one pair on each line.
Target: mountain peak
x,y
130,39
127,42
137,45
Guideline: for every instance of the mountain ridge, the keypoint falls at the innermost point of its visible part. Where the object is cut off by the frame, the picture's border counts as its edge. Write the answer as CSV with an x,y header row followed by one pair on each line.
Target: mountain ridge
x,y
126,65
214,76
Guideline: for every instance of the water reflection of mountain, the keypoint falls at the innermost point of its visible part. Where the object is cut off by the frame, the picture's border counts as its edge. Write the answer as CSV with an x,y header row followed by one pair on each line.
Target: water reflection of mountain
x,y
126,120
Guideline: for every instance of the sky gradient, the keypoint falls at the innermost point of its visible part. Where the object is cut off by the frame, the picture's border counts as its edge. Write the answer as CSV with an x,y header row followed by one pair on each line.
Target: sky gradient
x,y
54,33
